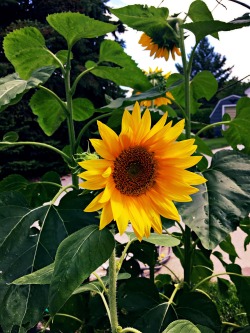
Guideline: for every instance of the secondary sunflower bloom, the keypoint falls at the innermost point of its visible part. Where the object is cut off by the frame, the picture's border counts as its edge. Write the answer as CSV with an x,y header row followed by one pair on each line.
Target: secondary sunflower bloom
x,y
157,77
142,171
159,51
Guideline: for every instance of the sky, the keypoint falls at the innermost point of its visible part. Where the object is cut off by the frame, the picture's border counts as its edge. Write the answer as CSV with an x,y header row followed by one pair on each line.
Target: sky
x,y
232,44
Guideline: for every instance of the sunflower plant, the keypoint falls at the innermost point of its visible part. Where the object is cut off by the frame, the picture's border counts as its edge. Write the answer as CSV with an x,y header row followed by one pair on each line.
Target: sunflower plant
x,y
71,256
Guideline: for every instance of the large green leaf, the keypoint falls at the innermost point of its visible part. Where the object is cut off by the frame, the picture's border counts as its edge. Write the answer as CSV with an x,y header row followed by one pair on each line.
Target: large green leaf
x,y
49,111
198,11
223,201
204,84
126,73
41,276
199,309
238,131
28,241
181,325
77,257
75,26
151,20
203,28
25,49
36,193
12,87
156,318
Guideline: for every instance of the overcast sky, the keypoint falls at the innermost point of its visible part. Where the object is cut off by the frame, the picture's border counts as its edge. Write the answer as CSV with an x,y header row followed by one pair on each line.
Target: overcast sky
x,y
233,44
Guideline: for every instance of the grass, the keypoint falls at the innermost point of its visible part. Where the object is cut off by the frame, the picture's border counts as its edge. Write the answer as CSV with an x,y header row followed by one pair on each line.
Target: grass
x,y
216,143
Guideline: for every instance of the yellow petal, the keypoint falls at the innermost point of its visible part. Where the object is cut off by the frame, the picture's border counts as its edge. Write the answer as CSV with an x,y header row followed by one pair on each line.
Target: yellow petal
x,y
106,215
102,150
95,204
110,138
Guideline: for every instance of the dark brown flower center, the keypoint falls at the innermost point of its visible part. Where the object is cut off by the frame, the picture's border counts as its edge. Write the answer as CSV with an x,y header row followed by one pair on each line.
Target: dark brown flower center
x,y
134,171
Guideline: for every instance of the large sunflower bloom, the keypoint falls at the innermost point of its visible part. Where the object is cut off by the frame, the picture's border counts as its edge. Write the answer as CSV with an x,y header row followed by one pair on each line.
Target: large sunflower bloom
x,y
142,171
157,50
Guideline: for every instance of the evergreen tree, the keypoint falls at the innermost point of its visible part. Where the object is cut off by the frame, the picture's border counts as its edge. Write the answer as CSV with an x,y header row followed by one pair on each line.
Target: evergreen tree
x,y
15,14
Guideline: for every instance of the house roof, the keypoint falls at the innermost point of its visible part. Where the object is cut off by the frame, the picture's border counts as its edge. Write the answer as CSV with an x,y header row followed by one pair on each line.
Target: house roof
x,y
221,102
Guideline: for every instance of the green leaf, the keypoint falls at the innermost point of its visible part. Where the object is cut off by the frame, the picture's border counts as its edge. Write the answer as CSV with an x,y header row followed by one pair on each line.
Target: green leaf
x,y
163,240
41,276
49,111
198,11
147,95
202,266
77,257
36,193
10,136
28,241
75,26
136,296
12,88
203,28
204,329
242,284
25,49
71,208
199,309
202,147
245,226
156,319
205,85
227,246
96,286
126,73
83,109
151,20
221,203
181,325
238,131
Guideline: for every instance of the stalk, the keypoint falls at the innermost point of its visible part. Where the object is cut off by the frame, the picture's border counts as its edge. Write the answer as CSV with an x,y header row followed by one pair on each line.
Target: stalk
x,y
112,292
187,71
70,122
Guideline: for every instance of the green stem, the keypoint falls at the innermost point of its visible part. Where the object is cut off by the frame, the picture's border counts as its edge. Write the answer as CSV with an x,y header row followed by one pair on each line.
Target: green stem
x,y
226,323
57,60
69,316
124,252
171,299
112,292
70,121
78,140
101,282
73,89
38,144
171,271
51,93
186,70
106,306
63,189
214,275
226,122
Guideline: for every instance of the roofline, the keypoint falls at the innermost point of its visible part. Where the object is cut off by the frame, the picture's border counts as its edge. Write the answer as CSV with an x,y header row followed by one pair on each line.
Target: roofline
x,y
221,101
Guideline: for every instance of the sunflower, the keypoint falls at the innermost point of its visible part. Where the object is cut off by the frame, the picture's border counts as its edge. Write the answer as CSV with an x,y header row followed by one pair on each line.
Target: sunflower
x,y
141,172
157,50
156,77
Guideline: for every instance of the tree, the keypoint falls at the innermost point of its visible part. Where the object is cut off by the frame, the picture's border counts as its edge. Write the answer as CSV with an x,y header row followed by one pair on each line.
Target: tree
x,y
16,14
